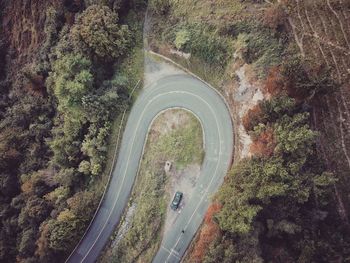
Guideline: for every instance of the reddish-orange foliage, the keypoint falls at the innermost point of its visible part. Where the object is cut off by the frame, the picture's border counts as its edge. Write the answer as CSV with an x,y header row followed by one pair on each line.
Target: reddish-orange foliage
x,y
209,232
252,118
264,144
27,187
212,210
35,84
42,243
275,17
275,83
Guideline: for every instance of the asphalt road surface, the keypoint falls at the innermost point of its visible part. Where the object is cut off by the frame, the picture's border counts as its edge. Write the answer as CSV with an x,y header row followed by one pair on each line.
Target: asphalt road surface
x,y
178,91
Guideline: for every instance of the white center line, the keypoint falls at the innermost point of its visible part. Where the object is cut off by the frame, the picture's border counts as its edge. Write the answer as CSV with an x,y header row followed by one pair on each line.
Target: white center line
x,y
128,160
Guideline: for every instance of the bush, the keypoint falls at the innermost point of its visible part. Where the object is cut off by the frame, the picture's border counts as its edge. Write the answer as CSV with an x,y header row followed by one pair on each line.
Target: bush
x,y
160,7
305,83
209,46
97,33
72,80
264,50
252,118
27,246
64,235
182,38
201,41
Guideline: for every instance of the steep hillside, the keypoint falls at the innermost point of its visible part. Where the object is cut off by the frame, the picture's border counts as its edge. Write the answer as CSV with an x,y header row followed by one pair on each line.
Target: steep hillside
x,y
283,66
62,95
322,33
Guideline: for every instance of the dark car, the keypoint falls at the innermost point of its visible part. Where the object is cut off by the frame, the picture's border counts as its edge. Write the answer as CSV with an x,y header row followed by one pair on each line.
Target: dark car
x,y
176,201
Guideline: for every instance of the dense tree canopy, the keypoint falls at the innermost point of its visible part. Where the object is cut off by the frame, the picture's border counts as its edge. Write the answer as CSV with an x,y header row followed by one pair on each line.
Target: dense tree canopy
x,y
73,79
97,33
55,124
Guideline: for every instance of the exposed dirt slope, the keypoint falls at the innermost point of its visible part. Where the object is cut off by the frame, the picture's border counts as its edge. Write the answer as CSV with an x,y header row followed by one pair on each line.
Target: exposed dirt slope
x,y
23,24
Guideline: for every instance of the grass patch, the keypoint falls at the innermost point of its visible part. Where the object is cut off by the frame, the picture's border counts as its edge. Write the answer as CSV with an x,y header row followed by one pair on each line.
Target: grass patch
x,y
212,33
216,12
183,145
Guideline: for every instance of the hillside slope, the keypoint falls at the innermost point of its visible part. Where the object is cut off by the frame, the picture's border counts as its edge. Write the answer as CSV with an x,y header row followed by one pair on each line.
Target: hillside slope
x,y
64,84
284,68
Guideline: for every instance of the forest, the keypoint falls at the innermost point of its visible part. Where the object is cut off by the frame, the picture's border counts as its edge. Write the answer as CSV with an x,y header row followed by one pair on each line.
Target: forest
x,y
56,115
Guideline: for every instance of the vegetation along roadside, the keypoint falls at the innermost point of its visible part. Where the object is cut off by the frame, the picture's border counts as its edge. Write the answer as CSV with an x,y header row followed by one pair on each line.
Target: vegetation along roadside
x,y
284,198
175,136
59,117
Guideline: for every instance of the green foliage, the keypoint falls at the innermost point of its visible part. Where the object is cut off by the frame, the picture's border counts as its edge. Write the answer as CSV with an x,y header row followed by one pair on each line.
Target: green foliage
x,y
64,234
308,83
94,146
264,50
34,212
182,38
58,196
269,111
229,249
282,227
201,41
72,80
27,246
101,107
276,192
83,205
254,183
84,167
250,185
258,46
79,99
160,7
66,177
66,144
183,146
97,33
277,107
294,137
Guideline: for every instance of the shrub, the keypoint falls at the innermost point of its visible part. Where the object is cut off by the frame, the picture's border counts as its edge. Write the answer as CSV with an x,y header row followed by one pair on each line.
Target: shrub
x,y
182,38
264,50
202,41
275,82
160,7
72,79
26,245
264,144
275,16
208,45
252,118
306,83
208,233
97,33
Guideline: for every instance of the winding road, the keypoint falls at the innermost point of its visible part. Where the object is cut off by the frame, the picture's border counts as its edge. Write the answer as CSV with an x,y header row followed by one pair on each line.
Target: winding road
x,y
178,91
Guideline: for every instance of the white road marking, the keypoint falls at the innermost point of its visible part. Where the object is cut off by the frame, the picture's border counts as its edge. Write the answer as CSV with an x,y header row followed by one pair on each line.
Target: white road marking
x,y
171,252
124,175
211,181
